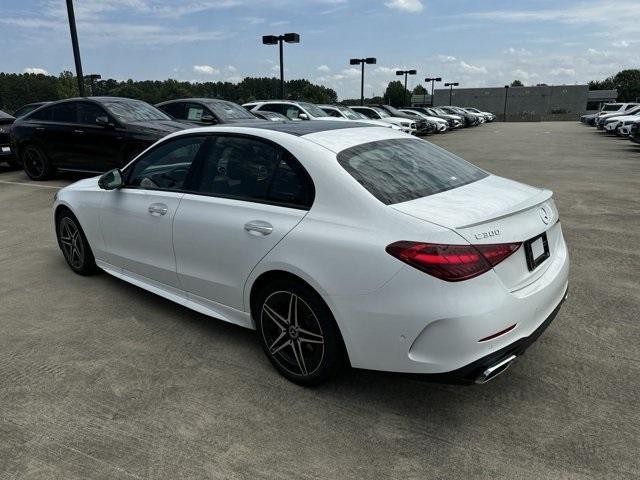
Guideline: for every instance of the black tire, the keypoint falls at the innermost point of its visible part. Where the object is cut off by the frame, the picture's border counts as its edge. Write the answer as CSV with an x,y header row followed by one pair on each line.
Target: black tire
x,y
36,163
297,332
74,245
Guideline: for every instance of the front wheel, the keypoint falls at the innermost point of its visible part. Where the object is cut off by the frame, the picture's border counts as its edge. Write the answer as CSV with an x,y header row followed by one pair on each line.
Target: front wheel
x,y
74,244
297,332
35,162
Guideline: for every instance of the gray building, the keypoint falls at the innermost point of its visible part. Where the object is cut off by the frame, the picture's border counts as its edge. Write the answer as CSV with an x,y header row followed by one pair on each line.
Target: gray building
x,y
553,102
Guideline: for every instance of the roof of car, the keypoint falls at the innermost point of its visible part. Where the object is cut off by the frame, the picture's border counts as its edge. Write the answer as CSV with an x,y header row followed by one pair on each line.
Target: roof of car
x,y
303,127
195,99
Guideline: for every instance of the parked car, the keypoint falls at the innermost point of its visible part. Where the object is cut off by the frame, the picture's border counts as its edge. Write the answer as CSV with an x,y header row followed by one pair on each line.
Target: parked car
x,y
455,121
339,243
624,130
611,124
603,119
29,107
293,110
589,118
441,125
340,111
634,132
609,110
422,126
271,116
6,154
470,120
87,134
488,116
407,125
207,111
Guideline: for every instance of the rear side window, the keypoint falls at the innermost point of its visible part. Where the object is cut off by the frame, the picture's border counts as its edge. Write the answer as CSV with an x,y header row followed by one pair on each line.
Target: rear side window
x,y
64,112
400,170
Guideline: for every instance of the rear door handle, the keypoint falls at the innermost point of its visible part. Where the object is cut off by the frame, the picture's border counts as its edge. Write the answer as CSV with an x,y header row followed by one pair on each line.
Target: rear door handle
x,y
258,227
40,129
78,131
157,209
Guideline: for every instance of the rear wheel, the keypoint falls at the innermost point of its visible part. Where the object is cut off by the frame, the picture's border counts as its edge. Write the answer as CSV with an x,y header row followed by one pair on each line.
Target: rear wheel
x,y
297,332
35,162
74,245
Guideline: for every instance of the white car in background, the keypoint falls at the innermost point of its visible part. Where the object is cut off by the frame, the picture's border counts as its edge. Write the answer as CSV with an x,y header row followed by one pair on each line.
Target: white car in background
x,y
442,125
489,117
610,123
293,110
376,113
609,110
615,124
342,112
341,244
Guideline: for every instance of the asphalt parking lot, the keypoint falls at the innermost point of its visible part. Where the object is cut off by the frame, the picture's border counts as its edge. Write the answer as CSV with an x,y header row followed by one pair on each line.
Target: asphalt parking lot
x,y
102,380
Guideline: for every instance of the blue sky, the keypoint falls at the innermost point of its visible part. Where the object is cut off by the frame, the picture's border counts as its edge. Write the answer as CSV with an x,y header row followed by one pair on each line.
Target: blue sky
x,y
477,43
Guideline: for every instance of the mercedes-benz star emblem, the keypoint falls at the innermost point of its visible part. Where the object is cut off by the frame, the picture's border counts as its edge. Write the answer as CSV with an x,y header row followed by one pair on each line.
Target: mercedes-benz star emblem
x,y
545,215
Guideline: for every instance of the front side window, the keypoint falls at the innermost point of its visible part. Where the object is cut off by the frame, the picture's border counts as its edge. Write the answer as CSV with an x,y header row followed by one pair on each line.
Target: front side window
x,y
330,112
292,112
176,110
400,170
64,112
167,166
251,169
89,112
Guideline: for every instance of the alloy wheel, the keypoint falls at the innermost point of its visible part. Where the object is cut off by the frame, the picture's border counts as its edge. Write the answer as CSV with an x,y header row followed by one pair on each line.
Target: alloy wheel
x,y
34,162
72,244
292,333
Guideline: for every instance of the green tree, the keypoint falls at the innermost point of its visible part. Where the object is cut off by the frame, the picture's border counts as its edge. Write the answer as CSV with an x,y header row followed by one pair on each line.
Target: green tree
x,y
67,86
517,83
420,90
396,94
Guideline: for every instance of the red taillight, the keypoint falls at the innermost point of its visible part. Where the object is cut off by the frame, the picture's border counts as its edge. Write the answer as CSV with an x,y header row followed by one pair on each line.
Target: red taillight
x,y
452,263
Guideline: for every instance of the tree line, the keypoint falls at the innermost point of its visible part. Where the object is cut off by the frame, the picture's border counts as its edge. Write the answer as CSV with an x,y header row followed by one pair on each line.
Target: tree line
x,y
19,89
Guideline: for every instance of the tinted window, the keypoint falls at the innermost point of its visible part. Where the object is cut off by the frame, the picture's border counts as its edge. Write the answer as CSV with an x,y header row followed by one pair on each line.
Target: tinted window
x,y
229,111
64,112
5,115
400,170
195,112
89,112
611,107
176,110
250,169
368,113
167,166
331,112
272,107
134,111
292,112
43,114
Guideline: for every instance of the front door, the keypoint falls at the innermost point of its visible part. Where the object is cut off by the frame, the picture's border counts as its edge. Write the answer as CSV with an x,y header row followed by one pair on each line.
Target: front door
x,y
250,195
137,221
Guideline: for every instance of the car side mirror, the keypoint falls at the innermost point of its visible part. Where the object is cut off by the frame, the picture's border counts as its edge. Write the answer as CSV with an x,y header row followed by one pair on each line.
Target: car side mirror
x,y
208,119
303,116
111,180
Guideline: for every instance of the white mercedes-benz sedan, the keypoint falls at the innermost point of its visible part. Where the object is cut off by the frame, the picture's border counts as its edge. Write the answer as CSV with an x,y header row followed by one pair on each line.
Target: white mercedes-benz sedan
x,y
340,243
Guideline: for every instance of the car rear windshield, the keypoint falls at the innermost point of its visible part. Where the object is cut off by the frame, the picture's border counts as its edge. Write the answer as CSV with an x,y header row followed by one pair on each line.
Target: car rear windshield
x,y
134,111
400,170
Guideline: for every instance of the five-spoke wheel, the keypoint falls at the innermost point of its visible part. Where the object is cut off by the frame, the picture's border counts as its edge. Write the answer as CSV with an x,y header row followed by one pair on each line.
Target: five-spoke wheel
x,y
35,162
297,332
74,245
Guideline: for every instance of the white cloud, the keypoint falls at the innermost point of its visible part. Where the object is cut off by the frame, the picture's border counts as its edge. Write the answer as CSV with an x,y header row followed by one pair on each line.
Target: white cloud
x,y
570,72
323,68
205,70
36,70
621,44
386,70
446,58
406,5
472,68
231,68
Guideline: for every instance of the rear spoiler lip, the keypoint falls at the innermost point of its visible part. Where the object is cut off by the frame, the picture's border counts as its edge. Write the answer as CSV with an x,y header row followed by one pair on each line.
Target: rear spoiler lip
x,y
529,203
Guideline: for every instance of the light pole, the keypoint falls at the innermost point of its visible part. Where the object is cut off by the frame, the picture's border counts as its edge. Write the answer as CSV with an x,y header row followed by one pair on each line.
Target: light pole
x,y
92,78
356,61
76,47
279,39
433,81
405,73
506,91
451,85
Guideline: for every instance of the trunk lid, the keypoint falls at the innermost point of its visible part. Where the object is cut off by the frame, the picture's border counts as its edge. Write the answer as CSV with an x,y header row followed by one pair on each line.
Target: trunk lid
x,y
495,210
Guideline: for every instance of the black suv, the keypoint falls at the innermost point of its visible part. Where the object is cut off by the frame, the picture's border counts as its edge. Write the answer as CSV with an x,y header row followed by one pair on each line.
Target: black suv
x,y
207,111
92,134
6,155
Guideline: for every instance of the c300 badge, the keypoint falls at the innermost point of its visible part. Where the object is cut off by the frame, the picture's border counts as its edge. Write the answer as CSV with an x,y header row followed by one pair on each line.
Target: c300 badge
x,y
489,234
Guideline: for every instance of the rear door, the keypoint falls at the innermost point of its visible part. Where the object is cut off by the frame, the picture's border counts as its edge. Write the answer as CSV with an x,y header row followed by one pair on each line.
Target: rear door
x,y
97,147
249,194
58,134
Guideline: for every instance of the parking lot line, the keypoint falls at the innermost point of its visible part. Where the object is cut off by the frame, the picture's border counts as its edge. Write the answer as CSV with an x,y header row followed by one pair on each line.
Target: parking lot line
x,y
57,187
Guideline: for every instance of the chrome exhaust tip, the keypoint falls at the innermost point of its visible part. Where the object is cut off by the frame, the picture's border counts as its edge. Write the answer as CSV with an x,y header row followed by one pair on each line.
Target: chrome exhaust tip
x,y
494,370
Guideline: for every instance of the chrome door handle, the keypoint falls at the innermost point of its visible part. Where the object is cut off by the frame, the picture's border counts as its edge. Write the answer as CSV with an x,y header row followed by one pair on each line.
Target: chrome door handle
x,y
78,131
157,209
258,227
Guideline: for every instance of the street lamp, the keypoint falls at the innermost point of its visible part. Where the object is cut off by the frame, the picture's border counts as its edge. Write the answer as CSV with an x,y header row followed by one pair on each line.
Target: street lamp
x,y
76,48
279,39
405,73
92,78
451,85
362,61
506,91
433,81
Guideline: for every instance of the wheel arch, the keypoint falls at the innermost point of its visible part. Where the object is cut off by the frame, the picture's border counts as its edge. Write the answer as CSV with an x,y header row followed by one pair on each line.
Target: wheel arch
x,y
271,275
